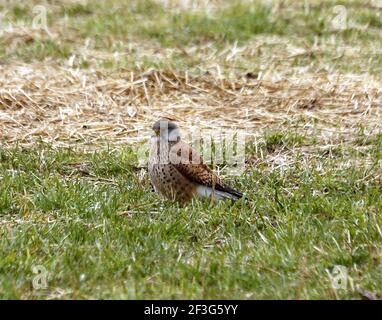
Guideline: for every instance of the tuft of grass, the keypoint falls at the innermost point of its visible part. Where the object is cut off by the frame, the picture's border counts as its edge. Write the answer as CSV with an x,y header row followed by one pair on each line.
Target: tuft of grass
x,y
19,12
277,139
240,23
43,49
77,9
370,18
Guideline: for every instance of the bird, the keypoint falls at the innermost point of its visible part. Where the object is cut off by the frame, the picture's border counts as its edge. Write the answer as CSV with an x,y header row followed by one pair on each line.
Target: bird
x,y
177,172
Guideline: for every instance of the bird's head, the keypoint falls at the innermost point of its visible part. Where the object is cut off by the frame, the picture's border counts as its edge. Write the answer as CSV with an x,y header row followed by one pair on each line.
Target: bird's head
x,y
166,129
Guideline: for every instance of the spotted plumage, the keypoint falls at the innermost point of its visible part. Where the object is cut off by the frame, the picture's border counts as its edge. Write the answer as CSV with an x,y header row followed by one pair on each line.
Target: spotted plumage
x,y
178,172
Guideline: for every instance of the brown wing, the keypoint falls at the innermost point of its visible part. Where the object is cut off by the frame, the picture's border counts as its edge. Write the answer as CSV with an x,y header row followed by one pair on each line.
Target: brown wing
x,y
189,163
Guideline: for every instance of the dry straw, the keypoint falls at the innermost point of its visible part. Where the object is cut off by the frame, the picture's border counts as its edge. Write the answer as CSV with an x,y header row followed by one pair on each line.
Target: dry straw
x,y
66,106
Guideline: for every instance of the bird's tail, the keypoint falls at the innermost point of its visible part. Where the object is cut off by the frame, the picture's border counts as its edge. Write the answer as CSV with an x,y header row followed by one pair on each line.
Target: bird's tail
x,y
219,192
230,192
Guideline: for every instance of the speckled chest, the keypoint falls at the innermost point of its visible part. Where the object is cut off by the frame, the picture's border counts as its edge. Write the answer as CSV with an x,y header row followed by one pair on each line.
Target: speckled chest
x,y
166,179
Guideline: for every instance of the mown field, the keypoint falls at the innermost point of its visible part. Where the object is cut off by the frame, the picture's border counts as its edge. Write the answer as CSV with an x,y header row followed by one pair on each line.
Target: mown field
x,y
77,99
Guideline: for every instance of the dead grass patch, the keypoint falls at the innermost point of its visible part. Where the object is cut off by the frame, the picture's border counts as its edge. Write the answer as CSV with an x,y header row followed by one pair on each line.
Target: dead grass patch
x,y
63,105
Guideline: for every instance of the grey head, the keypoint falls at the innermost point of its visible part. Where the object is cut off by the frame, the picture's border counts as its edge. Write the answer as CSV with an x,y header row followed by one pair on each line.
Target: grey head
x,y
166,129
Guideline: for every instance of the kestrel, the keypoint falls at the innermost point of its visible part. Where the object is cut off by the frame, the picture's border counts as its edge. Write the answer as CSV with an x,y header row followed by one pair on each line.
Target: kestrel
x,y
178,172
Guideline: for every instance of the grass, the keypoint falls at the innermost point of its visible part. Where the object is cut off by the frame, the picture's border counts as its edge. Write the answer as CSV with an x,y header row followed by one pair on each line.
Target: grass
x,y
100,231
312,179
112,26
42,49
